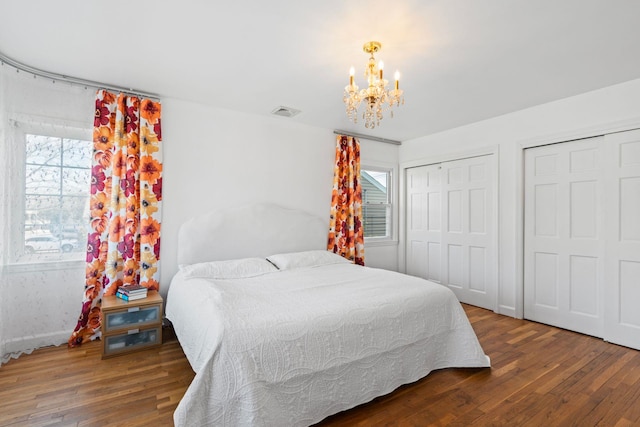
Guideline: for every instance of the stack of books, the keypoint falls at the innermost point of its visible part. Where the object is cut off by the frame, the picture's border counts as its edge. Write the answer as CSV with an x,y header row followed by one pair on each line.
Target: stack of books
x,y
131,292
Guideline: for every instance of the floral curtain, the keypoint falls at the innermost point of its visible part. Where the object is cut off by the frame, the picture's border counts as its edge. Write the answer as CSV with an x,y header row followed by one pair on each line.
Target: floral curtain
x,y
126,191
346,235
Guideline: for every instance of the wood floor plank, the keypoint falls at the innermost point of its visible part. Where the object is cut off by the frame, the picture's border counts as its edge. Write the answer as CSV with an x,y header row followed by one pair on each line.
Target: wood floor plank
x,y
540,376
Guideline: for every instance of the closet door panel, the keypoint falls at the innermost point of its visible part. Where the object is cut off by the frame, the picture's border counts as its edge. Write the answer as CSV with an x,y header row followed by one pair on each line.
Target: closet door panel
x,y
451,225
583,274
456,259
564,241
469,224
424,211
477,211
478,269
622,295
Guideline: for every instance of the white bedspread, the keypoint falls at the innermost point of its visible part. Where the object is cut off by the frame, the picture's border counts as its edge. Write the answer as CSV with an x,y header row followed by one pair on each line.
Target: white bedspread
x,y
290,348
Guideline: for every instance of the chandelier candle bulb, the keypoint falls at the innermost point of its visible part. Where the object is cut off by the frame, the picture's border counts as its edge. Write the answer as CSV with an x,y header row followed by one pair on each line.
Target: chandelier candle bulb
x,y
397,77
352,71
380,67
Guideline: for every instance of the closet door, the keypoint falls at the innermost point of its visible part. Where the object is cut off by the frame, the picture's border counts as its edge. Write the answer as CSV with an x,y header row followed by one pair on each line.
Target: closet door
x,y
451,227
564,238
622,294
468,237
424,230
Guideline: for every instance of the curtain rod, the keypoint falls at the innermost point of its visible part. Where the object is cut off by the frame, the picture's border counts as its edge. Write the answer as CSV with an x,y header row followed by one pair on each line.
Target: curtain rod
x,y
4,59
372,138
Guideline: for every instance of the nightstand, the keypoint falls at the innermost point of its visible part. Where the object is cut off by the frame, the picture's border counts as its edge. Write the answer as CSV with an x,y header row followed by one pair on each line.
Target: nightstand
x,y
131,326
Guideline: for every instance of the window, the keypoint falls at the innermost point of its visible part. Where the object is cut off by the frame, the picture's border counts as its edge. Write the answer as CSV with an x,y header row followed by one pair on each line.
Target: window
x,y
57,177
376,202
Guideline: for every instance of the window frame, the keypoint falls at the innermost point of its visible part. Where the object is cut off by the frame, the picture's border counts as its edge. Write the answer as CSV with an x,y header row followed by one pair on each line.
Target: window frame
x,y
19,128
390,204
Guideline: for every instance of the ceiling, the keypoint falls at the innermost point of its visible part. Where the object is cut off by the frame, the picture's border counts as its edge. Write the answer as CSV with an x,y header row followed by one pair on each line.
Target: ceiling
x,y
461,61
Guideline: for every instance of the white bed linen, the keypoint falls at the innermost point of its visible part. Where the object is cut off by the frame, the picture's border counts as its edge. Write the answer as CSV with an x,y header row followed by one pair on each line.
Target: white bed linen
x,y
293,347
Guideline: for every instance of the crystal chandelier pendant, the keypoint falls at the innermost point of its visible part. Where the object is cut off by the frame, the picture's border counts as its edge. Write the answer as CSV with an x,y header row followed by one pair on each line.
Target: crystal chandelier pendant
x,y
376,96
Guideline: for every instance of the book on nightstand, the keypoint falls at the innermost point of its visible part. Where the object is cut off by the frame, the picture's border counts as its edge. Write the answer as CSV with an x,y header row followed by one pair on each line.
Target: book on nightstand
x,y
132,289
133,297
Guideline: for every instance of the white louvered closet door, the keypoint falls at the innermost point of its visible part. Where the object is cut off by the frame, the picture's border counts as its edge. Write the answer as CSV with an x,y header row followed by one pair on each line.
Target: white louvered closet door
x,y
451,226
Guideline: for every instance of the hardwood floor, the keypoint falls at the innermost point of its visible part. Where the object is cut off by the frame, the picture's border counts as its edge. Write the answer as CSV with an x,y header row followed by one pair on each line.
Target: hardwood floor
x,y
540,376
58,386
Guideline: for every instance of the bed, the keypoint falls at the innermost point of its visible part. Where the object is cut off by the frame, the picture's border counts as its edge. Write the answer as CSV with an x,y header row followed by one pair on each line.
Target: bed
x,y
281,332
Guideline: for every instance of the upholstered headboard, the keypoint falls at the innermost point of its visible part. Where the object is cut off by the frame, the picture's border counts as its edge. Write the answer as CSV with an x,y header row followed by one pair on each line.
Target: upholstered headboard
x,y
256,230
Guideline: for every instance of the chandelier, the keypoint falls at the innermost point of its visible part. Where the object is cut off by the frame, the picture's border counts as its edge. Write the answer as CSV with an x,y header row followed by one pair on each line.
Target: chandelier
x,y
376,96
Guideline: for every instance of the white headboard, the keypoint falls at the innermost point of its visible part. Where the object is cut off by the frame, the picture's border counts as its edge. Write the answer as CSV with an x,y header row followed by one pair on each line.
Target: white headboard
x,y
256,230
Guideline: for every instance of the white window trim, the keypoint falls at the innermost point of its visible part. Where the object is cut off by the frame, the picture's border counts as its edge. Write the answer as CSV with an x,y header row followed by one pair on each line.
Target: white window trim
x,y
21,125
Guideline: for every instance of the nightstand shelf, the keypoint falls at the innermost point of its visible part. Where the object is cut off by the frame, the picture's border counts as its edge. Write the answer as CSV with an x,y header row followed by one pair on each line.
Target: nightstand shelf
x,y
131,326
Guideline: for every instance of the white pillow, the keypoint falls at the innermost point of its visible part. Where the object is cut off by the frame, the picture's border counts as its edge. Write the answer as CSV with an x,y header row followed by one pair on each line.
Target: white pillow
x,y
231,269
306,259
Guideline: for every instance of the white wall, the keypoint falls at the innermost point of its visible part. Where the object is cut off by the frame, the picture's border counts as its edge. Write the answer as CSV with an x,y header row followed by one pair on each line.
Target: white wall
x,y
215,158
612,108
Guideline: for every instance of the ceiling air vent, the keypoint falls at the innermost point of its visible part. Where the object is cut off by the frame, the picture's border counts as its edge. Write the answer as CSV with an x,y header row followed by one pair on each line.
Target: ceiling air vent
x,y
285,111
